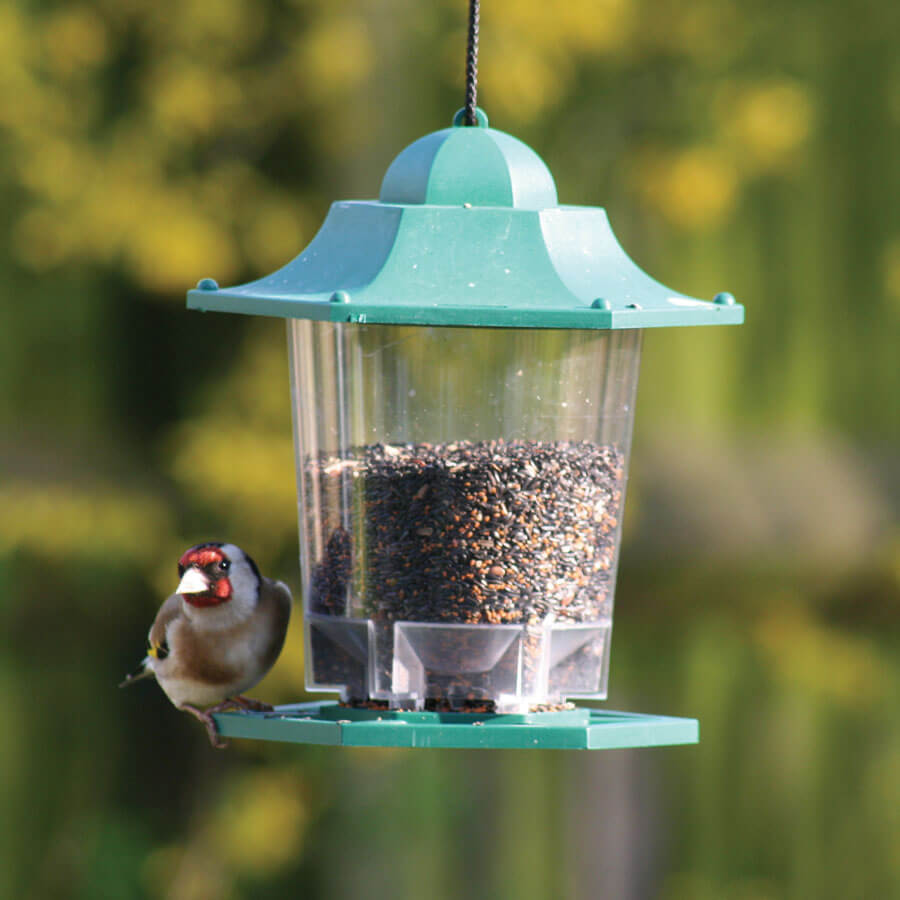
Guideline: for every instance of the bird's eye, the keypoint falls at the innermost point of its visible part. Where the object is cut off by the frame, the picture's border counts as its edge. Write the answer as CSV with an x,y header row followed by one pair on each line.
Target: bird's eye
x,y
224,565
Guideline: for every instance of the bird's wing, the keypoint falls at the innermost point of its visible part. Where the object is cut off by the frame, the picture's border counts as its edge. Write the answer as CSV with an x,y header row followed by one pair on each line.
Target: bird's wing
x,y
275,603
158,646
277,595
280,593
168,612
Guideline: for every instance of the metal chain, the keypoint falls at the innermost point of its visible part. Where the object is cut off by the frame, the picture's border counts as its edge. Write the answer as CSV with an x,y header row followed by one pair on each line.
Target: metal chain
x,y
472,64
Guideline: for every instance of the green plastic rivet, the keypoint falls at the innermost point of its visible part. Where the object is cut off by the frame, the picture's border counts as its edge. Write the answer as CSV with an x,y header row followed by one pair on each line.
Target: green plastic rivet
x,y
601,303
459,120
340,297
207,284
724,299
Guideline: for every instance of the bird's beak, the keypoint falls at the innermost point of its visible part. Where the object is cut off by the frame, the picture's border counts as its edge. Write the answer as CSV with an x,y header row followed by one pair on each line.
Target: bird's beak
x,y
193,582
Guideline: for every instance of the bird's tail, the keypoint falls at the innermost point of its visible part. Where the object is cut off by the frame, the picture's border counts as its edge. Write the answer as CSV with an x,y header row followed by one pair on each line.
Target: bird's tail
x,y
144,672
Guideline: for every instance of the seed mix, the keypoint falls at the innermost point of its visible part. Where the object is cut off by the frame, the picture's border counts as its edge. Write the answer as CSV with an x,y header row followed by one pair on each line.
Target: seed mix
x,y
494,532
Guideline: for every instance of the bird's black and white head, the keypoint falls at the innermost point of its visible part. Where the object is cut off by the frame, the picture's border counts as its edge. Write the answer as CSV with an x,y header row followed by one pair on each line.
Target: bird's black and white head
x,y
217,576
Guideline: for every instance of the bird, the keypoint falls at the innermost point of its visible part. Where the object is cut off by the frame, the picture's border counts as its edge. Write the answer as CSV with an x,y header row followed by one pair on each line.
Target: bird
x,y
217,635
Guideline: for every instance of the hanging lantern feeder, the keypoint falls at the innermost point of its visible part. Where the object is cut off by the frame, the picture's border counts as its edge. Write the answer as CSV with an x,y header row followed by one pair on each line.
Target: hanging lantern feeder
x,y
464,358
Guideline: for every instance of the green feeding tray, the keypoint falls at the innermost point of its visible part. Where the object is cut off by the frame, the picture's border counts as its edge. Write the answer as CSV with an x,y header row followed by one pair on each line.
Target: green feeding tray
x,y
467,231
577,729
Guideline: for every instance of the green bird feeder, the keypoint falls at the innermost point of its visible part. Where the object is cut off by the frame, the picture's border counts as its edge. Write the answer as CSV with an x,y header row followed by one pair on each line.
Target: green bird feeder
x,y
464,359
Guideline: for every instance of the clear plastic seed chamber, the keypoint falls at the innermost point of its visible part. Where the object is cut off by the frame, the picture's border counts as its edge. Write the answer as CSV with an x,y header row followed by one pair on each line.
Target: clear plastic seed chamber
x,y
461,494
464,360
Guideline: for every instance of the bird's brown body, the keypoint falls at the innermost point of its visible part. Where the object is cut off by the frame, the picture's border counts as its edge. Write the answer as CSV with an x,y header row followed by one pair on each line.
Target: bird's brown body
x,y
214,654
218,634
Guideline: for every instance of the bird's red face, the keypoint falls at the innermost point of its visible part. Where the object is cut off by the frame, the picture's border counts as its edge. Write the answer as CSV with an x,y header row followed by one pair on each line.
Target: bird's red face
x,y
204,576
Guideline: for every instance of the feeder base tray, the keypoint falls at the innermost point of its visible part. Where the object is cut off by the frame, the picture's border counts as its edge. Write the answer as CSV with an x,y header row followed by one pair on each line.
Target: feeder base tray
x,y
581,728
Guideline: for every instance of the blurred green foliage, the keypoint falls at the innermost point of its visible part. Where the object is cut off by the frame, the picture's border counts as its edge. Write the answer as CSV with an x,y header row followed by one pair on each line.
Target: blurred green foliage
x,y
742,147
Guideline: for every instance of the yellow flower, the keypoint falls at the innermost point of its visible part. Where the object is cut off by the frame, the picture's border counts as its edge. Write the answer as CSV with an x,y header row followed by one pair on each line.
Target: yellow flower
x,y
695,188
766,123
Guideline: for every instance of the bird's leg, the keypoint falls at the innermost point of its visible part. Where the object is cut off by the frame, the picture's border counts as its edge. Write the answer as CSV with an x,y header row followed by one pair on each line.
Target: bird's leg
x,y
210,723
239,701
227,705
250,703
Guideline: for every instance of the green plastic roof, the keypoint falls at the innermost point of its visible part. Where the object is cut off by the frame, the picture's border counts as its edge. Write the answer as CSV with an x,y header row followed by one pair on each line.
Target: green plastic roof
x,y
467,231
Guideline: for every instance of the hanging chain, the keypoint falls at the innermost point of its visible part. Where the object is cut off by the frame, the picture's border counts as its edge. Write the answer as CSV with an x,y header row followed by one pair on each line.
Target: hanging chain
x,y
472,64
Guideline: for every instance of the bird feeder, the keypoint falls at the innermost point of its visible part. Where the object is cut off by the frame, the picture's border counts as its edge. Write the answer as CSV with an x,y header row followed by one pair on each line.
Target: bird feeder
x,y
464,360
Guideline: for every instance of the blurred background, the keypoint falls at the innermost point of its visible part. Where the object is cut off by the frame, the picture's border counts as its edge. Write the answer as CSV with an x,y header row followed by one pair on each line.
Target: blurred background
x,y
747,147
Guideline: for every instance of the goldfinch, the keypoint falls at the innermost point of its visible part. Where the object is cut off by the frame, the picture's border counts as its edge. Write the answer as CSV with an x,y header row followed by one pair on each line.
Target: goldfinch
x,y
217,635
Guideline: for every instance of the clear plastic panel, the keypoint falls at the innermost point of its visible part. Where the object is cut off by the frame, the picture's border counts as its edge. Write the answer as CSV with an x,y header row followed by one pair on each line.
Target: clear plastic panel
x,y
461,494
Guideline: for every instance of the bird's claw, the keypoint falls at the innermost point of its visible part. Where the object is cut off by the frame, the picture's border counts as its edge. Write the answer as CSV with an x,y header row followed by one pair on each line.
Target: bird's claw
x,y
209,723
253,705
215,740
228,705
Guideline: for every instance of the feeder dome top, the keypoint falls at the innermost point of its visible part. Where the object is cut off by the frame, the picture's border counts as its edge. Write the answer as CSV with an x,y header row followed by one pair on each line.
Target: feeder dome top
x,y
479,166
467,231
